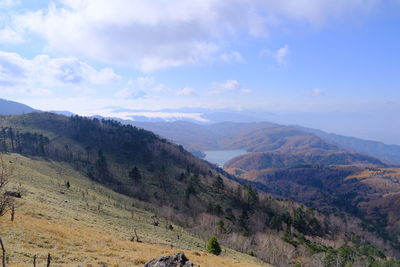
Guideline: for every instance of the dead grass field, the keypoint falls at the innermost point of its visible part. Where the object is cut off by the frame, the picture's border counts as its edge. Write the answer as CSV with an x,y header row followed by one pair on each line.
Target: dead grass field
x,y
90,225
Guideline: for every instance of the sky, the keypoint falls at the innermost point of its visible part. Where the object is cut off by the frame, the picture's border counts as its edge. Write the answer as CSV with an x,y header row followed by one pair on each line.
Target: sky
x,y
286,57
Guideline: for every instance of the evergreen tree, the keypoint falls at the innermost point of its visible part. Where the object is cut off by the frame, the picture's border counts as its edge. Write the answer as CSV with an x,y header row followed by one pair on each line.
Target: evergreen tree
x,y
11,136
218,183
4,140
102,172
189,190
135,175
221,226
213,246
252,196
243,218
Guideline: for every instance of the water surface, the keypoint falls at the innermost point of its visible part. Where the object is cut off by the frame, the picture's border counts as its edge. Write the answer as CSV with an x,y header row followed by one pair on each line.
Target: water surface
x,y
219,157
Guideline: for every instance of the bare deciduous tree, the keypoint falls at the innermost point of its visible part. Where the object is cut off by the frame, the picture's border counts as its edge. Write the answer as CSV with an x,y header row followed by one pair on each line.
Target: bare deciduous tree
x,y
136,235
3,249
6,172
49,259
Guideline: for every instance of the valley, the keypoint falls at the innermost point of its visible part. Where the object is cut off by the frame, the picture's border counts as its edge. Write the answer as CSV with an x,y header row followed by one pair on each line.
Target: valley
x,y
205,133
122,177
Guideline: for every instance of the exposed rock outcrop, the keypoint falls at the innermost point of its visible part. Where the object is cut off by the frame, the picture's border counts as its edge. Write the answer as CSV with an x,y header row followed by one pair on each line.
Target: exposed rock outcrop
x,y
177,260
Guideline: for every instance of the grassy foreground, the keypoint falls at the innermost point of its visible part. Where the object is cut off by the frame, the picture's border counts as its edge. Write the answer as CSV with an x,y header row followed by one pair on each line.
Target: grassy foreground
x,y
87,224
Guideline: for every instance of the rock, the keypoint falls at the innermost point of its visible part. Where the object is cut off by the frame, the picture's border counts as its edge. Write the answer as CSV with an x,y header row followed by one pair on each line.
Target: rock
x,y
178,260
13,194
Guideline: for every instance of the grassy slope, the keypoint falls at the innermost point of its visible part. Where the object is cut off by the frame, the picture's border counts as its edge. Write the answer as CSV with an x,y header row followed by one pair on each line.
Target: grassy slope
x,y
89,224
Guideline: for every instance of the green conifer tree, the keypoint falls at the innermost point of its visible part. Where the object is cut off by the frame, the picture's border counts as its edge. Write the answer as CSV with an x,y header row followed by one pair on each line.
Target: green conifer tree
x,y
213,246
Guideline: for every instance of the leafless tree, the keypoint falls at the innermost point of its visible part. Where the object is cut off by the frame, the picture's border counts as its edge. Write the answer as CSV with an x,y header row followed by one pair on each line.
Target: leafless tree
x,y
136,235
3,249
49,258
12,212
6,172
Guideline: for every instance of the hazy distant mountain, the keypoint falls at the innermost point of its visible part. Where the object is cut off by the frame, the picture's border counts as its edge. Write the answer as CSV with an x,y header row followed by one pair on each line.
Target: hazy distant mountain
x,y
254,135
266,137
8,107
378,124
378,149
13,108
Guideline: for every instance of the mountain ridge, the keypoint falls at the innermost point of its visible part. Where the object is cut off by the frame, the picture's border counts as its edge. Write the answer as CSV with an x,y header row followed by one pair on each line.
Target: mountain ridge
x,y
259,137
193,192
196,137
8,107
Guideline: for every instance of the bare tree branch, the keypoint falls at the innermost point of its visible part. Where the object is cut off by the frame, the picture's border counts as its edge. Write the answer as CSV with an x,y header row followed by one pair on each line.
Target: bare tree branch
x,y
49,258
6,172
3,249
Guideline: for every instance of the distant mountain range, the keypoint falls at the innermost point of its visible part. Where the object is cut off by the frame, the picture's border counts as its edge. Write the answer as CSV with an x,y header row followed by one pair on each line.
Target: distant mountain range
x,y
13,108
267,137
254,136
358,194
383,151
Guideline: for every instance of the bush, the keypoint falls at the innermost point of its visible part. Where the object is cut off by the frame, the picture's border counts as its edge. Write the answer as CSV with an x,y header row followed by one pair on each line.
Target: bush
x,y
213,246
252,253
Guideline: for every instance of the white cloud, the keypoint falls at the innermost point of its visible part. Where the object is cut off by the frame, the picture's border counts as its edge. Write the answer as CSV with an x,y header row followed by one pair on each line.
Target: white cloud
x,y
167,116
280,56
147,83
127,93
9,3
140,88
151,35
20,74
9,36
186,91
26,91
230,86
231,56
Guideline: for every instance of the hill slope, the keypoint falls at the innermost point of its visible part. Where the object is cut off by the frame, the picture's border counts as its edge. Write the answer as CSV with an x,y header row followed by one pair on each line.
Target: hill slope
x,y
88,224
264,160
372,194
263,137
191,192
389,153
13,108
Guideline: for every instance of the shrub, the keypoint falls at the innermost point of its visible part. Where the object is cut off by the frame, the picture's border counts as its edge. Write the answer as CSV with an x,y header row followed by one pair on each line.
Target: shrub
x,y
213,246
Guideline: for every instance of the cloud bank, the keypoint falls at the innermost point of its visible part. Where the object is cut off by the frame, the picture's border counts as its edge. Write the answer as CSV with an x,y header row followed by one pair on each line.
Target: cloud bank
x,y
37,75
151,35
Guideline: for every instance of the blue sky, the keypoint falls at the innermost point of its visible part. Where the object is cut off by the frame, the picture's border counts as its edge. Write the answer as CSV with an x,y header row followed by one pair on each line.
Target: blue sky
x,y
278,56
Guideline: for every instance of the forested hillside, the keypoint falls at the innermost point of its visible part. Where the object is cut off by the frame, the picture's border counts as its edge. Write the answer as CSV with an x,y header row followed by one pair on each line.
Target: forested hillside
x,y
267,137
191,192
369,193
264,160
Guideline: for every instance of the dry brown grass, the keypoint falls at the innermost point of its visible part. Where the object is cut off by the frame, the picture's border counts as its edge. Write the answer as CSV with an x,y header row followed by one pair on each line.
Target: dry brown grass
x,y
69,224
386,180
